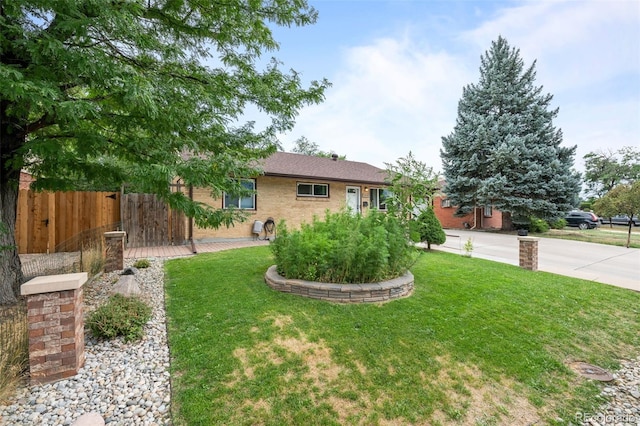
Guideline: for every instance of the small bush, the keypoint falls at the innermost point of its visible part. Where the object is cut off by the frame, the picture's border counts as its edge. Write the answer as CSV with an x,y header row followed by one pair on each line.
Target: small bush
x,y
344,248
558,224
538,225
426,227
142,263
120,316
93,260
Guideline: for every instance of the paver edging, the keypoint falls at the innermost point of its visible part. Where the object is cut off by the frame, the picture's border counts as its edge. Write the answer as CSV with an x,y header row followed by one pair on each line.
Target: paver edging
x,y
342,293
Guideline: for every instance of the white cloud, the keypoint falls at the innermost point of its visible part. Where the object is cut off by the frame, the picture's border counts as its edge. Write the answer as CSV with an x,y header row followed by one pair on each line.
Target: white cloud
x,y
388,99
575,43
396,94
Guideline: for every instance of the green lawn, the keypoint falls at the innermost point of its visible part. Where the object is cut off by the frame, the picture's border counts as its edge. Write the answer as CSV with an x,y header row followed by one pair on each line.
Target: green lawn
x,y
605,234
478,343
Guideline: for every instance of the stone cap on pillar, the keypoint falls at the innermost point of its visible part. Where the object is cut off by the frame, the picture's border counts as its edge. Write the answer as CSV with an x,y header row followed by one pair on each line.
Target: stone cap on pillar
x,y
53,283
115,234
528,239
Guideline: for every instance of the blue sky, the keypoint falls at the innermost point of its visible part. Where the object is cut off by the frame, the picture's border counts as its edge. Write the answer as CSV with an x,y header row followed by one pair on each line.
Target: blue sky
x,y
398,69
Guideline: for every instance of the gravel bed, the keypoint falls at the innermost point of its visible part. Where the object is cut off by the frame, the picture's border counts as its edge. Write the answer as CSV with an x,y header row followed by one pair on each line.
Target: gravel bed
x,y
623,398
126,383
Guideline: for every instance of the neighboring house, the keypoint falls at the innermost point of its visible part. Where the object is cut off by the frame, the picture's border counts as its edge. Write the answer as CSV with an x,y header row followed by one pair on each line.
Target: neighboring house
x,y
25,180
485,217
295,188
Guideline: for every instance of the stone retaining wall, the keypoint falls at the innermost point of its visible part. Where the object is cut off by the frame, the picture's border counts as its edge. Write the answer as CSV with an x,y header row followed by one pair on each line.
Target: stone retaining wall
x,y
342,293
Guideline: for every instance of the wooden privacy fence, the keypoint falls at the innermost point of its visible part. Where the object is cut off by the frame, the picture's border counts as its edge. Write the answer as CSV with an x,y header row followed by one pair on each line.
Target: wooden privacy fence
x,y
148,221
47,219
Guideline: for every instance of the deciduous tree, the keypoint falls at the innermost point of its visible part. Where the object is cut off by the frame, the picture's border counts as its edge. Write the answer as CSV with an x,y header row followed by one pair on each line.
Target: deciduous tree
x,y
119,91
504,150
624,199
411,188
306,147
604,170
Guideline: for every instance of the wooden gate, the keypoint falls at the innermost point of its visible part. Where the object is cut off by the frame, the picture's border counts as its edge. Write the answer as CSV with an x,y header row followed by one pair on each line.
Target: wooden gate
x,y
45,220
148,221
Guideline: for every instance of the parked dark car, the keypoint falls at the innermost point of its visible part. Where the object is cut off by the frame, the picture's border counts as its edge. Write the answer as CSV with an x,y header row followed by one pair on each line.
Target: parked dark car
x,y
583,220
620,219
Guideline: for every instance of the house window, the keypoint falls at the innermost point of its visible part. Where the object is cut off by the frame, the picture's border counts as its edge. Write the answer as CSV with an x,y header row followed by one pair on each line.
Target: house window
x,y
445,203
245,202
488,211
312,190
378,197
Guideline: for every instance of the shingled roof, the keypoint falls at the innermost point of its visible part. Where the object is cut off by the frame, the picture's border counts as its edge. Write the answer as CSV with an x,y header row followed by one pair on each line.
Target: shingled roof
x,y
286,164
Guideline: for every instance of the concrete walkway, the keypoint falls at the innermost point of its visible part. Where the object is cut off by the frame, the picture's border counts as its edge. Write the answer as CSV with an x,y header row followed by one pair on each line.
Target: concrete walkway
x,y
178,251
602,263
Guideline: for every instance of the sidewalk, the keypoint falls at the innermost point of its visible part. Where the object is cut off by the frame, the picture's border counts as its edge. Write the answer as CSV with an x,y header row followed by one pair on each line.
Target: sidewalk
x,y
185,250
602,263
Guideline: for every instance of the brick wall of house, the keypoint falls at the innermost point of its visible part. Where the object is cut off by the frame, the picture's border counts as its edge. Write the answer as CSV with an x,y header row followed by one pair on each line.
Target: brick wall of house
x,y
448,221
446,217
276,198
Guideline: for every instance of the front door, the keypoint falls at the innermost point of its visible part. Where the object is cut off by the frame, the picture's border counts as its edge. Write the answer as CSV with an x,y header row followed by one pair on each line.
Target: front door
x,y
353,198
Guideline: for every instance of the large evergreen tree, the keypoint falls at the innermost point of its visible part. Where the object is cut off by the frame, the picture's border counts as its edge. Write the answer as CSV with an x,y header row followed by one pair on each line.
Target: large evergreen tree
x,y
106,92
504,150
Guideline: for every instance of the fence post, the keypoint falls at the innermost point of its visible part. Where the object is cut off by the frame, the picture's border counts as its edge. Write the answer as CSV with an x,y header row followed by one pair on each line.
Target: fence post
x,y
529,253
56,327
114,250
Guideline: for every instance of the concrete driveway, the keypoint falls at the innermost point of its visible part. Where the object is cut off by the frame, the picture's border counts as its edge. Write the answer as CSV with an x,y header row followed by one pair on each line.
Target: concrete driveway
x,y
607,264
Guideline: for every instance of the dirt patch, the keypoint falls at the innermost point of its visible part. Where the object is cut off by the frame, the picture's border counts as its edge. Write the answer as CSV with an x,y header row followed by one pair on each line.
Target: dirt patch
x,y
361,368
474,399
281,321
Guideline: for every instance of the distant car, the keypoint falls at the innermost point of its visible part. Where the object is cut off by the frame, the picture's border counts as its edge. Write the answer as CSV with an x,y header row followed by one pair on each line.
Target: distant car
x,y
621,219
583,220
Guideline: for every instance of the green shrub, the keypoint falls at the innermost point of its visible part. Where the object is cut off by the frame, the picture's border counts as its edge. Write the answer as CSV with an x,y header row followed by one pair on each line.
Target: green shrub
x,y
558,224
344,248
120,316
142,263
538,225
427,228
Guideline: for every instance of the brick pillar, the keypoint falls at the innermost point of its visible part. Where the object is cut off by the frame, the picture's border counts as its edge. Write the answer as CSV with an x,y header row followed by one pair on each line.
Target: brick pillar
x,y
529,253
56,326
114,250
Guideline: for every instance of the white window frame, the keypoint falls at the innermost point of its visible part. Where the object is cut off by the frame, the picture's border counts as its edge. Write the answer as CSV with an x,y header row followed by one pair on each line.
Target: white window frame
x,y
488,210
239,201
445,203
374,200
315,190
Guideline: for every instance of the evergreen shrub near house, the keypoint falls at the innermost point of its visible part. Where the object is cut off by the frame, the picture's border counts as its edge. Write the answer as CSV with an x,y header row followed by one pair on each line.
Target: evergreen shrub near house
x,y
426,228
344,248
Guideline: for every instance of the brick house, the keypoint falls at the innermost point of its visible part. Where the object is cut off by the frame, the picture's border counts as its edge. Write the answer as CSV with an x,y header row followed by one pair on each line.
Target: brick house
x,y
485,217
295,187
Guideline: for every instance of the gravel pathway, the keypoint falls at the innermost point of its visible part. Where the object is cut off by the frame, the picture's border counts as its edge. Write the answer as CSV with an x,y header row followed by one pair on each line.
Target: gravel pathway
x,y
128,383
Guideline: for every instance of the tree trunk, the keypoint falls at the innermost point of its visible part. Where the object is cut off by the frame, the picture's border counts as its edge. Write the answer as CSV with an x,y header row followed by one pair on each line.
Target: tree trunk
x,y
10,163
507,224
10,269
629,231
